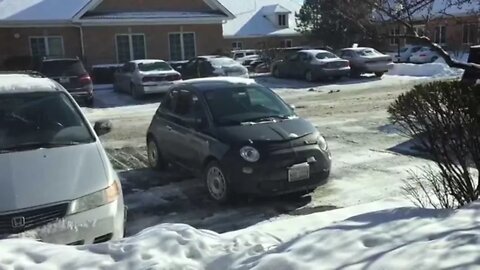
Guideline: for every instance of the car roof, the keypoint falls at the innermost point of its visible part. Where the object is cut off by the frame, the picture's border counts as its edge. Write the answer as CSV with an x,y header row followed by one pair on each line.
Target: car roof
x,y
204,84
212,56
11,83
146,61
60,59
314,51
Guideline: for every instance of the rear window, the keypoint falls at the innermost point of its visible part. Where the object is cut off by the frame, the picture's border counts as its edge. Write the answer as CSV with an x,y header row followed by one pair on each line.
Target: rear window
x,y
368,52
325,55
155,66
59,68
223,61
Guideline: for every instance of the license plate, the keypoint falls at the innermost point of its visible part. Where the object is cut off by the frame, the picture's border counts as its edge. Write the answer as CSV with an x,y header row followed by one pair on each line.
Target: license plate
x,y
299,172
64,80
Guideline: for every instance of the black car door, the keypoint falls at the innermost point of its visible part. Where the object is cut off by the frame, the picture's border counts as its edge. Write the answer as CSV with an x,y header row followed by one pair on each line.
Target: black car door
x,y
189,71
163,125
191,143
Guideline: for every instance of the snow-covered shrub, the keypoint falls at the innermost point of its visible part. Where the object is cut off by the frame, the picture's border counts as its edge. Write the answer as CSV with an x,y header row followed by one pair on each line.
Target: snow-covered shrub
x,y
444,117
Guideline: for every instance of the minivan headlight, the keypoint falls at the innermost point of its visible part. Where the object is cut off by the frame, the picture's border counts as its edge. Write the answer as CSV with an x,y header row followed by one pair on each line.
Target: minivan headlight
x,y
322,143
95,199
250,154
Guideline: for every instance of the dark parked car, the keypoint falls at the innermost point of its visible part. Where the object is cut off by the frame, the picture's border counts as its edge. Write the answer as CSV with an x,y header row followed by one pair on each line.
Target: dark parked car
x,y
239,136
212,66
72,75
311,65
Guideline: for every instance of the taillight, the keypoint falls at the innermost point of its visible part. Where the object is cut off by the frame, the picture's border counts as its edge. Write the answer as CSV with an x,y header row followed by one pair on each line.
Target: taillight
x,y
85,79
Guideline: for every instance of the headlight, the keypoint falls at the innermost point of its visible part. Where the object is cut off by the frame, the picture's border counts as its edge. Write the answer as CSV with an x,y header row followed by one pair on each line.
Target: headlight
x,y
322,143
250,154
95,200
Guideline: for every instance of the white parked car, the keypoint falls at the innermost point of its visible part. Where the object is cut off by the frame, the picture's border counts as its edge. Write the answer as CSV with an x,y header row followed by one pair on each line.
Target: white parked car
x,y
237,54
405,53
56,182
147,76
424,55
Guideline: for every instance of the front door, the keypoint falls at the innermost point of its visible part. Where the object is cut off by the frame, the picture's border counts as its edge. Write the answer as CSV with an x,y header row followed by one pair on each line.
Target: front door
x,y
190,142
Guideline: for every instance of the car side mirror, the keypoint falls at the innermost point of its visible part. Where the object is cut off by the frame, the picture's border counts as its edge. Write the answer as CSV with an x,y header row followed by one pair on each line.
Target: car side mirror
x,y
293,107
102,127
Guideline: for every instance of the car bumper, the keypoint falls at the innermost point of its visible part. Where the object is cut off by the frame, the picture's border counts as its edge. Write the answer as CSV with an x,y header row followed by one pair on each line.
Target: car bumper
x,y
157,88
93,226
337,72
270,176
378,67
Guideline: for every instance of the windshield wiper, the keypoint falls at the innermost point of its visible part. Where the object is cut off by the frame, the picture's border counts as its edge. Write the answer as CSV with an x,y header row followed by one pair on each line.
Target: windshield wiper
x,y
267,118
37,145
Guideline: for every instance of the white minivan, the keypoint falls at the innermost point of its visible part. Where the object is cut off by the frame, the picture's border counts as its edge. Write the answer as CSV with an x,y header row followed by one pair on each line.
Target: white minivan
x,y
56,182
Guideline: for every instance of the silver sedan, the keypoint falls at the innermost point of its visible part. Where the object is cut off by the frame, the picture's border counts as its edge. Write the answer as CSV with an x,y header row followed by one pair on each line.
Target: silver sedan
x,y
141,77
366,60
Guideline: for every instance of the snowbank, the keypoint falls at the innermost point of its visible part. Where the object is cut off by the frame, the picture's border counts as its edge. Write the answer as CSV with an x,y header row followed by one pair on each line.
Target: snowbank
x,y
395,238
436,70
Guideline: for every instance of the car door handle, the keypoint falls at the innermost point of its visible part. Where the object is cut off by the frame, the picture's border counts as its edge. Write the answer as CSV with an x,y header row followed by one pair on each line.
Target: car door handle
x,y
169,128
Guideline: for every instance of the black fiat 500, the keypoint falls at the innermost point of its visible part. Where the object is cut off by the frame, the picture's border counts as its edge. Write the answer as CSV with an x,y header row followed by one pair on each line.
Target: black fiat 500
x,y
239,136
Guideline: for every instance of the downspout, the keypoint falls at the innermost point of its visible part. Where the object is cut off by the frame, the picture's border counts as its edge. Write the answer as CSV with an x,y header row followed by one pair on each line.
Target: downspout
x,y
82,43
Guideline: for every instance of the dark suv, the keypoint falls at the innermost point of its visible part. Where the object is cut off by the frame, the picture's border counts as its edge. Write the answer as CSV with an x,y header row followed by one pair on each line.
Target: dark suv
x,y
72,75
241,136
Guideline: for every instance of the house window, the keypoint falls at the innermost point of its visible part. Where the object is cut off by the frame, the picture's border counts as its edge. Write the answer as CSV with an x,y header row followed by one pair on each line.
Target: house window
x,y
237,45
282,20
470,33
419,29
286,43
46,46
130,47
394,33
440,34
182,46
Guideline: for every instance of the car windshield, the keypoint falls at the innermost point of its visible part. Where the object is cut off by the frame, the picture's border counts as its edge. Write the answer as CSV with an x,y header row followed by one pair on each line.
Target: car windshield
x,y
325,55
223,61
154,66
63,68
41,119
404,49
252,103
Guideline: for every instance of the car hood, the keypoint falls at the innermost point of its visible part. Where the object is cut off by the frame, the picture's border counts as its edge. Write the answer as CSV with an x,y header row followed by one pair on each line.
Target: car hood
x,y
267,132
44,176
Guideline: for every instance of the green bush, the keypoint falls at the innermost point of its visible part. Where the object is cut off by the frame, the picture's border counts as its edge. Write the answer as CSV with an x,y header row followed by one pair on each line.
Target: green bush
x,y
444,117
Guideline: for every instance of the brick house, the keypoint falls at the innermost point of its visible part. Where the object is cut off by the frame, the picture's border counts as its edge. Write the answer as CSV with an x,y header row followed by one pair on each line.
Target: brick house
x,y
452,33
111,31
262,24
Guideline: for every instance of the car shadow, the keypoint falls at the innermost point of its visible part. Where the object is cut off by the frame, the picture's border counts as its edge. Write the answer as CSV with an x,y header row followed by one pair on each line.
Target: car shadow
x,y
173,196
106,97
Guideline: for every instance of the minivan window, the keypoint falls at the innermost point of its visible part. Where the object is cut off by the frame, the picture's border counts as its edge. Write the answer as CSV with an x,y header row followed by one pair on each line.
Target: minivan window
x,y
40,119
154,66
235,105
63,68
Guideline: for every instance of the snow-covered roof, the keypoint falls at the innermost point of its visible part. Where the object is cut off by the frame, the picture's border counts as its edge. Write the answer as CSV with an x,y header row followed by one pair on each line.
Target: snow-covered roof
x,y
22,83
146,61
18,11
252,18
31,12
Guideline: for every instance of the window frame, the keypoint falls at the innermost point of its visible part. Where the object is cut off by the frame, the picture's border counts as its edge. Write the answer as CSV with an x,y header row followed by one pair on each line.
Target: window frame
x,y
46,43
440,36
282,20
469,39
182,45
394,36
238,45
130,45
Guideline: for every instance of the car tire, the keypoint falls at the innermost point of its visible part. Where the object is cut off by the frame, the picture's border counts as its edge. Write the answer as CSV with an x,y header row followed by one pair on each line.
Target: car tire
x,y
379,74
309,76
217,183
135,92
155,160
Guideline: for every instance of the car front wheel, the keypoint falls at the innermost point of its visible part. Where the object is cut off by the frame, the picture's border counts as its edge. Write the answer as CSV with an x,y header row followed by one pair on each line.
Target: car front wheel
x,y
217,183
379,74
154,155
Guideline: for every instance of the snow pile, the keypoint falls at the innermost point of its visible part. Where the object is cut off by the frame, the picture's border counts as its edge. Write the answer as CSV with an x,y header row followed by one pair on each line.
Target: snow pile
x,y
436,70
399,238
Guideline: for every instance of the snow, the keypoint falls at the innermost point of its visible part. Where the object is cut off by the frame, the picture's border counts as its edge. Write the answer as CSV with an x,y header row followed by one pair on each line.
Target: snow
x,y
10,83
36,10
252,18
380,235
437,69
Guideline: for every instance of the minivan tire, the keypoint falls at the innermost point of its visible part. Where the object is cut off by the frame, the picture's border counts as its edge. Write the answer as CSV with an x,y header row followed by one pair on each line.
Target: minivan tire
x,y
217,183
155,160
